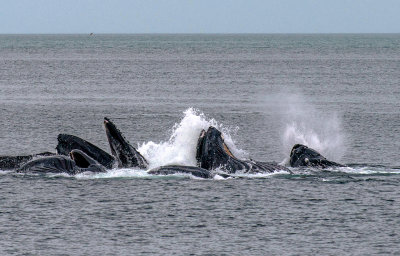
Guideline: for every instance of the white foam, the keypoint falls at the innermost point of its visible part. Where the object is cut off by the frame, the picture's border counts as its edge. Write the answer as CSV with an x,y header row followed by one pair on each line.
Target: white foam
x,y
130,173
180,148
114,173
219,177
5,172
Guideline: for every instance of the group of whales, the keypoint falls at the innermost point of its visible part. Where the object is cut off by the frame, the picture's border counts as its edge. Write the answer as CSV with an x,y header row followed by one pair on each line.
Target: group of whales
x,y
76,155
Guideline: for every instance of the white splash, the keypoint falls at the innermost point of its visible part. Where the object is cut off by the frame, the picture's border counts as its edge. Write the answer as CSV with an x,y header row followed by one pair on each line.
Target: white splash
x,y
181,146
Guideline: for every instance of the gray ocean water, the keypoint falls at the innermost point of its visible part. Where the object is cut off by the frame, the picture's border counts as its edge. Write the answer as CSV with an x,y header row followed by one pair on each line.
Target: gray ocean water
x,y
339,94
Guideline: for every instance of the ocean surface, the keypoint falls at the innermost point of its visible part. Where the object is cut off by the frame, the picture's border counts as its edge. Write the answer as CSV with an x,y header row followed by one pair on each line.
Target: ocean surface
x,y
339,94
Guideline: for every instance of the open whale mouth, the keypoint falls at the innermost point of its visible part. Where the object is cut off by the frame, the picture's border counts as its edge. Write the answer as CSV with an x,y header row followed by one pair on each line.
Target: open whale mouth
x,y
118,144
121,149
114,136
215,138
85,162
211,149
80,158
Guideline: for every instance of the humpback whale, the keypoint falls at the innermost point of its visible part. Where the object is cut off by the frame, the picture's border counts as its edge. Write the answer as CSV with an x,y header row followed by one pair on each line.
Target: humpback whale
x,y
304,156
77,162
14,162
126,155
213,153
66,143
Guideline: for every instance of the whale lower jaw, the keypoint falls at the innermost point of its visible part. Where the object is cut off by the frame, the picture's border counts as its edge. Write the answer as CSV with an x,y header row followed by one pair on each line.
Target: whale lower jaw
x,y
126,155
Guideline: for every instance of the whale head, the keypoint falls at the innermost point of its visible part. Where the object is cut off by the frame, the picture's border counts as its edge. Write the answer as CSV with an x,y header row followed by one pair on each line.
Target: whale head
x,y
126,155
212,152
301,155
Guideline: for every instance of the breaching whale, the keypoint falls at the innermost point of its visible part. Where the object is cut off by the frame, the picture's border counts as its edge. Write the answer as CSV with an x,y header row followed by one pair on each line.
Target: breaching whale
x,y
14,162
126,155
213,153
302,155
67,143
77,162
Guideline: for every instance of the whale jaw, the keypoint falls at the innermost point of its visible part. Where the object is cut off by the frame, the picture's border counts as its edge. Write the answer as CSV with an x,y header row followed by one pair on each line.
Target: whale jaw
x,y
126,155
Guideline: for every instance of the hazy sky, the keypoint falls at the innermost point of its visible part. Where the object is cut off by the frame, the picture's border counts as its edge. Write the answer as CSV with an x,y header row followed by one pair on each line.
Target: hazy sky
x,y
200,16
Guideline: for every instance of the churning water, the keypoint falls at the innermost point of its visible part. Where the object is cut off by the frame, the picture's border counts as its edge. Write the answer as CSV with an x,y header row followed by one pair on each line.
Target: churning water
x,y
339,94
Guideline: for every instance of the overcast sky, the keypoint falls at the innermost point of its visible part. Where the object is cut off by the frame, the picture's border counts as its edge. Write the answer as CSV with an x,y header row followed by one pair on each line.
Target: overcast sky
x,y
200,16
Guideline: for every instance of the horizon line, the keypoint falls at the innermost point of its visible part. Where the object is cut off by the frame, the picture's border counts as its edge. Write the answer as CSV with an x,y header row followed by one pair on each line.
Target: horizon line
x,y
203,33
